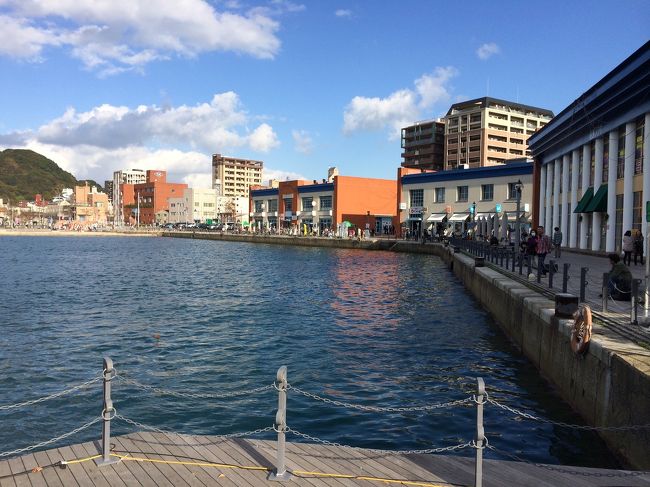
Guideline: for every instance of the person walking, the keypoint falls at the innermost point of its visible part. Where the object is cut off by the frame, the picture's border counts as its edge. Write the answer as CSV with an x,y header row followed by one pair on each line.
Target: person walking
x,y
628,247
557,242
638,246
543,248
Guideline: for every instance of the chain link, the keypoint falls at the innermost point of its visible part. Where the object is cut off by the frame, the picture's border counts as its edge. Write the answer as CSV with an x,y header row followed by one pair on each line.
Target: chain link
x,y
194,395
51,396
49,442
583,427
379,409
374,450
159,430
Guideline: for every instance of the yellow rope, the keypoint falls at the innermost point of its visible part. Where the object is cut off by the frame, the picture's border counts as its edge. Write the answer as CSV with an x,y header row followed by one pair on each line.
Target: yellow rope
x,y
249,467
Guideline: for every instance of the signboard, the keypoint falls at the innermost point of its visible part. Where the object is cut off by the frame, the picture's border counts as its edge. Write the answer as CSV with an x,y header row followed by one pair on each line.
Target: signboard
x,y
415,210
402,206
498,210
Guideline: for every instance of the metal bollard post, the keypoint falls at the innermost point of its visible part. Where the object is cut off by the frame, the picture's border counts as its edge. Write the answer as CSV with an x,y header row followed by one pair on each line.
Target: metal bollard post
x,y
514,260
501,252
634,313
281,472
529,259
521,264
583,283
551,272
565,277
539,272
605,290
480,433
108,413
507,259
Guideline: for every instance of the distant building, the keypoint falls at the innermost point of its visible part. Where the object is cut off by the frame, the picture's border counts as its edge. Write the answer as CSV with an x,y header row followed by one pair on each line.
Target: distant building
x,y
108,189
124,176
423,145
89,207
363,202
233,176
148,198
487,131
194,205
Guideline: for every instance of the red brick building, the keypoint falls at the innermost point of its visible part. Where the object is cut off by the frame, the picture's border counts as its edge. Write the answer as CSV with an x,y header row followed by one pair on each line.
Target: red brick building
x,y
153,195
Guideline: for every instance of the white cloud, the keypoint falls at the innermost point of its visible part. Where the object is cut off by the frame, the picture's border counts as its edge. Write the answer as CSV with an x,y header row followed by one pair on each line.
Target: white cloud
x,y
202,180
343,13
486,51
302,141
118,35
263,138
401,107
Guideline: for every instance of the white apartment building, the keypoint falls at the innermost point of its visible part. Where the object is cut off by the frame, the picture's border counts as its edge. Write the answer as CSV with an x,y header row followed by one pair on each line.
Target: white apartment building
x,y
124,176
232,176
196,205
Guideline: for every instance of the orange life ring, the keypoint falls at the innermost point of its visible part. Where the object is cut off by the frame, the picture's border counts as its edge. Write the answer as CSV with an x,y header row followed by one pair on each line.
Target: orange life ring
x,y
581,332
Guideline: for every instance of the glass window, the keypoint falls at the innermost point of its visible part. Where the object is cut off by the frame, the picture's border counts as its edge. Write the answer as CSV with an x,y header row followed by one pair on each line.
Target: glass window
x,y
620,165
417,197
273,205
461,194
637,210
487,192
592,164
306,203
579,169
638,146
619,221
605,159
325,202
512,191
288,204
440,195
258,206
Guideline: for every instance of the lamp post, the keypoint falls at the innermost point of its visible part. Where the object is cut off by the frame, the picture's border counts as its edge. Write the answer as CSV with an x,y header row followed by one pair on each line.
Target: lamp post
x,y
313,218
473,218
518,187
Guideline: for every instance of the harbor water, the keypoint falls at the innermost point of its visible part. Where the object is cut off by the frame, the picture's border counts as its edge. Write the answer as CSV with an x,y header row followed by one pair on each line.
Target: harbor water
x,y
209,317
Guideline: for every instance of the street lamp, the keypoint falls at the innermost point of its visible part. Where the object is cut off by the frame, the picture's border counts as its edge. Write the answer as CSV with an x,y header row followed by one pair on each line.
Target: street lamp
x,y
518,187
473,219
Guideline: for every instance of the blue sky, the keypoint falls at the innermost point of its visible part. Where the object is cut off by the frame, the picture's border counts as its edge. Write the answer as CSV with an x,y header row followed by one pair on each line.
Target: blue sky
x,y
99,85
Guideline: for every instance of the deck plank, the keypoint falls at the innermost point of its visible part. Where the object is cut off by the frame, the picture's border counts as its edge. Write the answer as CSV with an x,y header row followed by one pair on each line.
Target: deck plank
x,y
135,468
123,478
19,472
6,476
161,474
64,474
36,478
49,472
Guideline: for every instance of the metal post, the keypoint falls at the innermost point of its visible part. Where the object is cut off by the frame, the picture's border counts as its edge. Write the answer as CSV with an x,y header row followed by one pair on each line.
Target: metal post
x,y
539,272
529,259
514,259
565,277
281,472
501,251
108,413
634,314
551,272
521,264
518,187
507,258
583,283
605,290
480,433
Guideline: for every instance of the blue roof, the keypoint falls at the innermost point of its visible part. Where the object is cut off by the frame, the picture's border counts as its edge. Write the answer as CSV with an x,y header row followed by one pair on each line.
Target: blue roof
x,y
264,192
316,188
513,169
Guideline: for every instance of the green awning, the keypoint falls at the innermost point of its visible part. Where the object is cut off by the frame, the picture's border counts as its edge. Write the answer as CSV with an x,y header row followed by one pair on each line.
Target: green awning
x,y
598,203
584,201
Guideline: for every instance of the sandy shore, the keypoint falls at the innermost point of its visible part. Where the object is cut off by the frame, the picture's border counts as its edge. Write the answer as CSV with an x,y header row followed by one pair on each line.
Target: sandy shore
x,y
64,233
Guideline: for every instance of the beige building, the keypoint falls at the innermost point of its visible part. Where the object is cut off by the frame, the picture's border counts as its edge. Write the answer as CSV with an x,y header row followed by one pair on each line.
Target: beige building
x,y
196,205
124,176
89,207
487,131
233,177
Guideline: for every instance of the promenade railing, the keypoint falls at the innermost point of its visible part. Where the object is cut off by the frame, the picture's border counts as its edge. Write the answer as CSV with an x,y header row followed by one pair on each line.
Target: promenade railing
x,y
479,398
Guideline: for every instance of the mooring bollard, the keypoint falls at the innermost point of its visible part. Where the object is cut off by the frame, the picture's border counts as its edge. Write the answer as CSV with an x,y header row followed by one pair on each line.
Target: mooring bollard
x,y
551,272
108,413
565,277
281,472
605,290
480,433
583,283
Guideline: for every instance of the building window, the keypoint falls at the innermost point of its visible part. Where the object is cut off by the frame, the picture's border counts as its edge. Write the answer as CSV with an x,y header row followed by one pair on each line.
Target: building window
x,y
258,206
307,203
325,202
619,221
620,165
461,194
272,205
417,197
487,192
637,212
512,191
605,159
579,169
638,146
288,204
592,163
440,195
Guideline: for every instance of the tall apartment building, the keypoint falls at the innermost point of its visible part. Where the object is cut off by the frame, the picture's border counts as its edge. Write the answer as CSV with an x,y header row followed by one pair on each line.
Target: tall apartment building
x,y
487,131
423,145
125,176
233,177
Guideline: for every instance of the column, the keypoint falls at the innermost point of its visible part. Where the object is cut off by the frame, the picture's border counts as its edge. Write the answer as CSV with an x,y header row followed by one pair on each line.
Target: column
x,y
586,168
564,225
573,237
646,172
556,197
610,244
628,176
542,194
598,178
548,214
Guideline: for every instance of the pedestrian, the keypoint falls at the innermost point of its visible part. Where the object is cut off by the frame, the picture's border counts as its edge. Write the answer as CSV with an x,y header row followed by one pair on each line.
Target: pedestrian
x,y
628,247
619,285
557,242
543,248
638,246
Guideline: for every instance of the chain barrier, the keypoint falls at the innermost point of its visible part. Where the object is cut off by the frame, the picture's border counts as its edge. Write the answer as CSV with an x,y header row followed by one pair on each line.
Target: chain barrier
x,y
374,450
566,470
378,409
49,442
522,414
194,395
51,396
137,424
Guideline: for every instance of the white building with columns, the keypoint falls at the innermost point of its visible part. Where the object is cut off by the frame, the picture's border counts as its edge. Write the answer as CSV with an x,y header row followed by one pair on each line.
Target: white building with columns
x,y
592,161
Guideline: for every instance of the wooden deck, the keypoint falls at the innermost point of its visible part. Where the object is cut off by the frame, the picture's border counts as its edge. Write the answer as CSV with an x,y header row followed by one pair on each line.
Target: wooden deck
x,y
175,460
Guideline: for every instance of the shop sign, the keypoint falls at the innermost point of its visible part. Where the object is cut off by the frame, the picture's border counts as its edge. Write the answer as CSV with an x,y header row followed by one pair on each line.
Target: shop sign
x,y
415,210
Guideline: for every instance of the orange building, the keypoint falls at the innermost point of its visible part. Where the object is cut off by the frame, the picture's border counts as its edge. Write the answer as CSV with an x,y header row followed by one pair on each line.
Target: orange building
x,y
318,206
89,206
153,196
